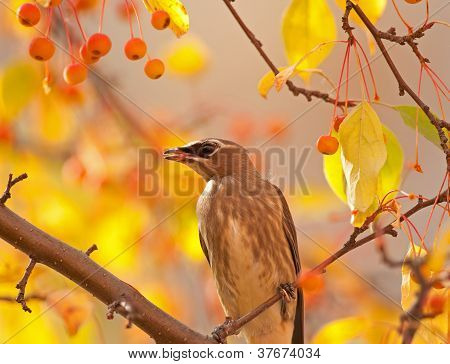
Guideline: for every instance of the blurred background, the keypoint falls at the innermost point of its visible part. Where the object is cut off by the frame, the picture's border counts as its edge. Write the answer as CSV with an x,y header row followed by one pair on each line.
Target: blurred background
x,y
79,146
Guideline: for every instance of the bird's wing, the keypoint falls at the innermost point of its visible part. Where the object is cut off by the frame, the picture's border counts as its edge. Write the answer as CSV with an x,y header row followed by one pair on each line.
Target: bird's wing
x,y
203,245
289,231
291,237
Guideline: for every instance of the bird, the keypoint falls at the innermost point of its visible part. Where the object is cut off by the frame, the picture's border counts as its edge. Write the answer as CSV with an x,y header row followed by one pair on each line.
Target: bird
x,y
248,236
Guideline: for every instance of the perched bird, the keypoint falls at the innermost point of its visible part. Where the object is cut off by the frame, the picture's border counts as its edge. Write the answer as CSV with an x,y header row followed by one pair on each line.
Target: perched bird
x,y
248,237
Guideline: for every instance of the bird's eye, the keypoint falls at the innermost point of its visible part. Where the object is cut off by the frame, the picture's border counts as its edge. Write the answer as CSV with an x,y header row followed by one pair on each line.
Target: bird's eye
x,y
206,150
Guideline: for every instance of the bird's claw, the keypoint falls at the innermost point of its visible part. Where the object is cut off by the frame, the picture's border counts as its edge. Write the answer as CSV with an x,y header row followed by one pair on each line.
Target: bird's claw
x,y
288,291
221,332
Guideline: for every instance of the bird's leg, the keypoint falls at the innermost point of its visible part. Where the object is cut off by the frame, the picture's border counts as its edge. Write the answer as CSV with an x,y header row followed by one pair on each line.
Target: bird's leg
x,y
221,332
288,292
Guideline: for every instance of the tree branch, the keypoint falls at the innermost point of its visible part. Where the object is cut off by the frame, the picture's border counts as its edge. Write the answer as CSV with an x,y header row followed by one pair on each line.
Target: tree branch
x,y
308,94
410,320
21,286
403,86
78,267
232,327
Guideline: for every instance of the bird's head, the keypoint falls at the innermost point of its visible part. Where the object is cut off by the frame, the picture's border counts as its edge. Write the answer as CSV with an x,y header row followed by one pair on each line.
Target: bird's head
x,y
213,157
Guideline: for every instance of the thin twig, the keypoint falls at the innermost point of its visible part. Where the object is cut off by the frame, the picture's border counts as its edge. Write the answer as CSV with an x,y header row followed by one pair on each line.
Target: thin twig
x,y
92,249
308,94
29,297
231,327
410,320
403,86
21,286
11,182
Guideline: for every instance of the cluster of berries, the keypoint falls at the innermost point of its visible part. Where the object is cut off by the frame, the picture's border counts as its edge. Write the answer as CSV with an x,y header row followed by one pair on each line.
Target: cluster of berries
x,y
98,45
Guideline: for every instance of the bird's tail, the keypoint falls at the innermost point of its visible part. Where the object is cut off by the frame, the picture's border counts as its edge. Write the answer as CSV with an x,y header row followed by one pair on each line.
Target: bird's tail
x,y
298,336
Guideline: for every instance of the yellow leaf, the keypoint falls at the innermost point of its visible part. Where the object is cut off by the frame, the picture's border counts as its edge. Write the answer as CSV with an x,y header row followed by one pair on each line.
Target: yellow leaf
x,y
266,83
283,76
306,23
179,18
431,331
187,57
388,180
56,124
409,287
363,154
18,85
341,331
441,249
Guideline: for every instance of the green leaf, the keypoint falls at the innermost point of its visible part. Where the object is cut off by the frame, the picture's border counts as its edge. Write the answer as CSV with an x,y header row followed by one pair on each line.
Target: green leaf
x,y
18,84
408,114
307,23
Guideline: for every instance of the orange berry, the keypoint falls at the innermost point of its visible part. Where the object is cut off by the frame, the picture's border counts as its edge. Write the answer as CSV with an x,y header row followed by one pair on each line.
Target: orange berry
x,y
338,121
160,19
87,57
413,1
99,44
75,73
41,48
327,144
28,14
154,68
436,303
135,49
310,281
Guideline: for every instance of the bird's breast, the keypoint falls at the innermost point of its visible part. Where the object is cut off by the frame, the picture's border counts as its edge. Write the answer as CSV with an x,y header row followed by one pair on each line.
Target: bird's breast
x,y
247,248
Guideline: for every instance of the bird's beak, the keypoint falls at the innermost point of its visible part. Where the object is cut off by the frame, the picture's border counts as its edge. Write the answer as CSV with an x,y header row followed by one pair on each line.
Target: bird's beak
x,y
178,154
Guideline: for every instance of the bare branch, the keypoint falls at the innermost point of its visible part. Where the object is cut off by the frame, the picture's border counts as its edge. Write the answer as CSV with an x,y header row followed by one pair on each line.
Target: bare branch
x,y
232,327
21,286
78,267
308,94
91,249
11,182
410,320
403,86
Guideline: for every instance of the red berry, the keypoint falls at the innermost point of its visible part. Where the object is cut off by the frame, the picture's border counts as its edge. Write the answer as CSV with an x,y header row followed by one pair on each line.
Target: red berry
x,y
154,68
310,281
86,57
338,121
6,134
160,19
41,48
75,73
436,303
99,44
28,14
135,49
327,144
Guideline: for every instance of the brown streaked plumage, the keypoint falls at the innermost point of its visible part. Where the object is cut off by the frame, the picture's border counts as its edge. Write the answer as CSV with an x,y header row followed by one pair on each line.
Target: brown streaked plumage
x,y
248,237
